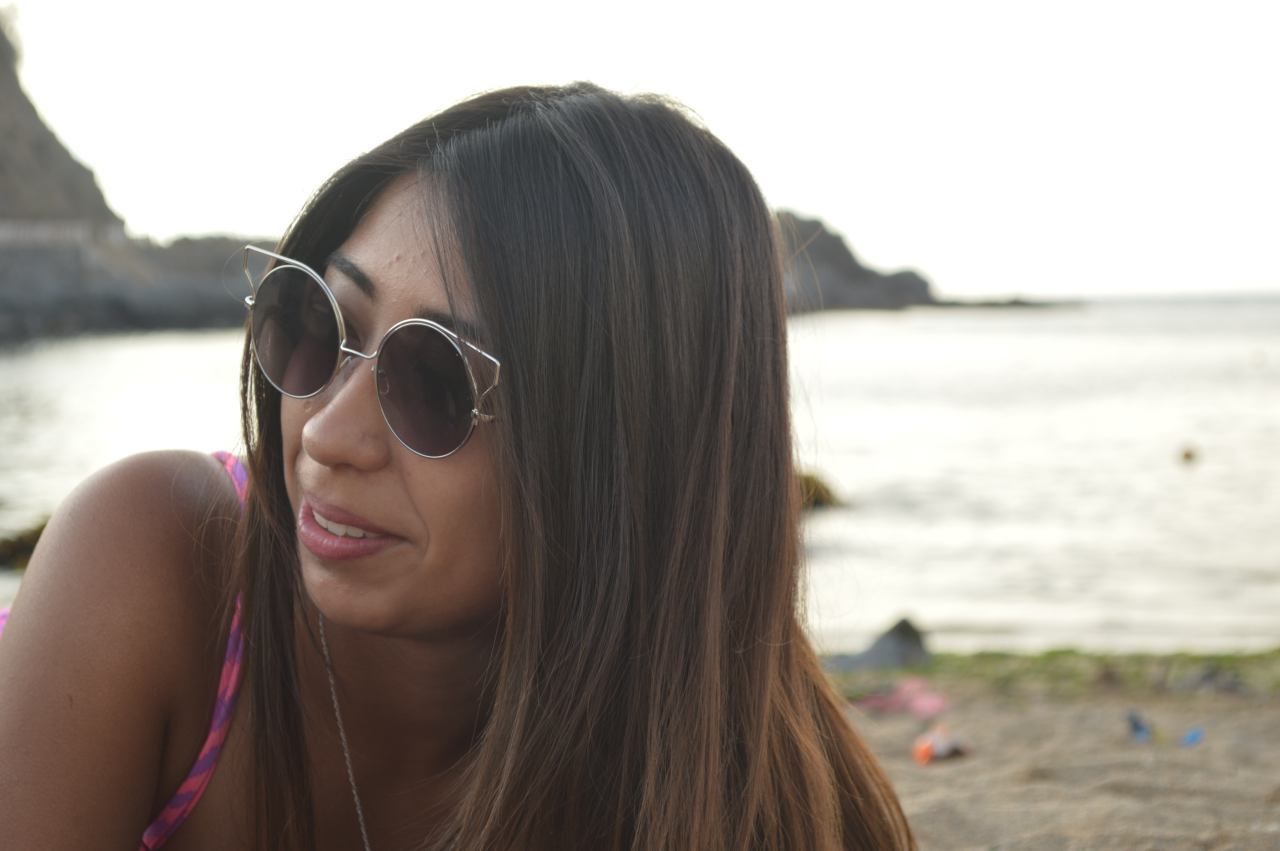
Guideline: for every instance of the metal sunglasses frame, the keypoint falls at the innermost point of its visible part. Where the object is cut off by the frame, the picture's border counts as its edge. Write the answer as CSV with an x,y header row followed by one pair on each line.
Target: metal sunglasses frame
x,y
457,342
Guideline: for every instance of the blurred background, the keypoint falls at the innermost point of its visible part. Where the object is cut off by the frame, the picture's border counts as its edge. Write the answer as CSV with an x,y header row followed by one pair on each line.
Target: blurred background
x,y
1036,330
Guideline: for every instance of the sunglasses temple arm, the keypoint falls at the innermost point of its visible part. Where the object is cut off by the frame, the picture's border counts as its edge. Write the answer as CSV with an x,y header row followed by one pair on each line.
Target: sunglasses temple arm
x,y
248,276
496,366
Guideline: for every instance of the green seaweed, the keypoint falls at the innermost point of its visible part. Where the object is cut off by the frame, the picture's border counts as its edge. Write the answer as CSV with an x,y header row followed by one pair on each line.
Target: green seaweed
x,y
1065,672
815,492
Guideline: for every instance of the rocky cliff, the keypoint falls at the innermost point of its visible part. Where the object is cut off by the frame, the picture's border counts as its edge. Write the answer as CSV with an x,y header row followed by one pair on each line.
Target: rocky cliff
x,y
66,264
822,273
39,179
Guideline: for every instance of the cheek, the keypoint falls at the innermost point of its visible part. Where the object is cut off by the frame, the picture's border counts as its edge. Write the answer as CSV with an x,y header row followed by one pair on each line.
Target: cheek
x,y
461,508
292,418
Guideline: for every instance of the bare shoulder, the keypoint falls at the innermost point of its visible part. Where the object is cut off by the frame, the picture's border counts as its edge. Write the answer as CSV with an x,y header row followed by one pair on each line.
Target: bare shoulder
x,y
120,534
113,614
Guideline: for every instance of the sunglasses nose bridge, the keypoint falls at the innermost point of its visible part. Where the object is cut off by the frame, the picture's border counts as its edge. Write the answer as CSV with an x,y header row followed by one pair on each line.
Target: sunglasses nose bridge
x,y
379,381
347,350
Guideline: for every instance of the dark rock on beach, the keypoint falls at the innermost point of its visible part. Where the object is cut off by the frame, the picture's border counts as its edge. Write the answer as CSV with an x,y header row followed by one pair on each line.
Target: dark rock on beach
x,y
815,492
900,646
15,550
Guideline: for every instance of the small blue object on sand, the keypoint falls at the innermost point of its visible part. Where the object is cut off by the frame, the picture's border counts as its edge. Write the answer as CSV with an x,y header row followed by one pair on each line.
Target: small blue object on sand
x,y
1192,737
1139,729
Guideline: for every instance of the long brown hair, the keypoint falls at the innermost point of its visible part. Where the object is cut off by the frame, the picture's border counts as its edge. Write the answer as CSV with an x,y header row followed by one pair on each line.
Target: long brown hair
x,y
653,687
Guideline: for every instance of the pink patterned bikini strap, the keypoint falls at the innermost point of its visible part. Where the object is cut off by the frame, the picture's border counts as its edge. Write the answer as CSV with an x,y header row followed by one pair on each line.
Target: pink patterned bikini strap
x,y
237,471
188,794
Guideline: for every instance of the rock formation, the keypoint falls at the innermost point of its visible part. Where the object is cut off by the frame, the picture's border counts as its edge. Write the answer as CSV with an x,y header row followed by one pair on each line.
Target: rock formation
x,y
823,274
66,263
900,646
39,179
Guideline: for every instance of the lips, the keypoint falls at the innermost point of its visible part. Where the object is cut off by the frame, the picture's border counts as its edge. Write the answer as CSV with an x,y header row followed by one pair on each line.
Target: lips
x,y
334,514
337,528
323,543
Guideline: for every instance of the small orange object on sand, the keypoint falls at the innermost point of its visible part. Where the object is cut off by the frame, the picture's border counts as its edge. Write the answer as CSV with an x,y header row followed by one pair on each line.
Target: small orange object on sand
x,y
937,744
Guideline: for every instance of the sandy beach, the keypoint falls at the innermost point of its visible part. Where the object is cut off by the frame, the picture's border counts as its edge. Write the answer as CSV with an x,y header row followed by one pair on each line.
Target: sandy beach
x,y
1056,766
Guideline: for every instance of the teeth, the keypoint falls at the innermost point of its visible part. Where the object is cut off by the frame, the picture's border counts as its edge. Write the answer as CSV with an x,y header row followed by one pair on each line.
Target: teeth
x,y
338,529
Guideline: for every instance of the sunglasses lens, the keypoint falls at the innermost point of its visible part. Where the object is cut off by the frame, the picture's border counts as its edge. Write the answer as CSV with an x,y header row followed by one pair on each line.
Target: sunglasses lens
x,y
425,390
295,331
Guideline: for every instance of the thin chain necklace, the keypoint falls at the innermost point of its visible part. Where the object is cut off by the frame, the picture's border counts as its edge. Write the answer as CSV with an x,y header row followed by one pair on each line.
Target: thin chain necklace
x,y
342,736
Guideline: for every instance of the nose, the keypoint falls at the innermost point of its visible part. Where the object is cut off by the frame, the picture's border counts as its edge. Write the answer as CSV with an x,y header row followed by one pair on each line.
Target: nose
x,y
344,424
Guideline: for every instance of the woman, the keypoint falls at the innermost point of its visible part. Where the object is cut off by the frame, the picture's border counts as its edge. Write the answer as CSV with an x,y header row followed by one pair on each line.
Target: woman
x,y
518,564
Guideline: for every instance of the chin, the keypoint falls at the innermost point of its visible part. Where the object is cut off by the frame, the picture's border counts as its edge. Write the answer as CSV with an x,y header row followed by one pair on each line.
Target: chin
x,y
353,600
341,601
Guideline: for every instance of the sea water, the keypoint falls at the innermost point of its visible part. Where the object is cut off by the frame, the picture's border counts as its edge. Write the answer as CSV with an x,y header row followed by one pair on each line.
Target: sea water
x,y
1104,476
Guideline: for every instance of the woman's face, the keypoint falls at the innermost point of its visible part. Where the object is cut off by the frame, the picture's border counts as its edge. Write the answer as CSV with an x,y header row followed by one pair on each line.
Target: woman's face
x,y
433,566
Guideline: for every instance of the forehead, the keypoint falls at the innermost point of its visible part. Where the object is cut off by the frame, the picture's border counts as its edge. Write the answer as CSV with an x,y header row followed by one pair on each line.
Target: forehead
x,y
397,248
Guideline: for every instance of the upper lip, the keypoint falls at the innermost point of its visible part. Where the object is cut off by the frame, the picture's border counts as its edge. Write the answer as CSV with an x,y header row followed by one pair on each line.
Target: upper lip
x,y
346,518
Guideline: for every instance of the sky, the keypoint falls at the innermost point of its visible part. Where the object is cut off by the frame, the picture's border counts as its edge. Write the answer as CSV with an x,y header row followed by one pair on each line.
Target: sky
x,y
1043,149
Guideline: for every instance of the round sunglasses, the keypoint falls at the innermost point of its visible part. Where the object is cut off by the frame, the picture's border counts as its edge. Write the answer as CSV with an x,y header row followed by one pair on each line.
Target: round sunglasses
x,y
424,372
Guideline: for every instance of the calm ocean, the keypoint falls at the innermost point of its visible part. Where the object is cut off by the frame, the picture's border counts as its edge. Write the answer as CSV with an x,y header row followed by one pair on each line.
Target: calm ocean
x,y
1105,476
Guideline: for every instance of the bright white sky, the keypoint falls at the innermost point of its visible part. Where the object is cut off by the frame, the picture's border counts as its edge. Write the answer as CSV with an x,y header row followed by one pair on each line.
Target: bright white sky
x,y
1091,148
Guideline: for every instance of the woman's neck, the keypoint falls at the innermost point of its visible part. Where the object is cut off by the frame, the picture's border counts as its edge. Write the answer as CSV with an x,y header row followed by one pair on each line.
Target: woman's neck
x,y
411,708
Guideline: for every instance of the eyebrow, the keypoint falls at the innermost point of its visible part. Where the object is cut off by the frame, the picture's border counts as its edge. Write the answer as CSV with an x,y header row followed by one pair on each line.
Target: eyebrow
x,y
347,266
469,331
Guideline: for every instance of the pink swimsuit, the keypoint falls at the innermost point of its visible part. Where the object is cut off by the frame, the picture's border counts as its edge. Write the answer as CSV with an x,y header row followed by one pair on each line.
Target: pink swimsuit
x,y
188,794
